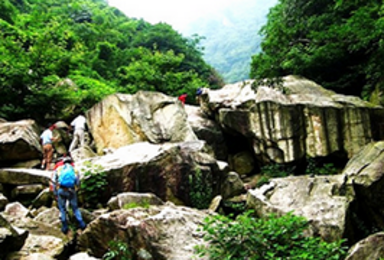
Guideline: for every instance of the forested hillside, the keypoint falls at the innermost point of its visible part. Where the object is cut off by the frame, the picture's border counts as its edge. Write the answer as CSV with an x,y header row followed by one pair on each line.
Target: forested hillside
x,y
338,44
58,57
231,36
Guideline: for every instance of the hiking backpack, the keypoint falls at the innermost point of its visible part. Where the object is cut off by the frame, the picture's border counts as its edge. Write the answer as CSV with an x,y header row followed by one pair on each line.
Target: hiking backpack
x,y
67,176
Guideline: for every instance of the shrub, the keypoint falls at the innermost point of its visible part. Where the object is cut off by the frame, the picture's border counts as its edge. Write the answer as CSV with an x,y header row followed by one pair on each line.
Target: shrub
x,y
117,250
93,185
270,238
317,168
200,190
273,171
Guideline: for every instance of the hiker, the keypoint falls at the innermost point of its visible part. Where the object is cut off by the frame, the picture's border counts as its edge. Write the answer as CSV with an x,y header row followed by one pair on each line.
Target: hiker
x,y
199,92
182,98
60,162
46,139
79,126
66,183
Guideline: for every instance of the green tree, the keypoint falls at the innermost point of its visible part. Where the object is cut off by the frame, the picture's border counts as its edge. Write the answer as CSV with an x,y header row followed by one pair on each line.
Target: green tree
x,y
335,43
61,56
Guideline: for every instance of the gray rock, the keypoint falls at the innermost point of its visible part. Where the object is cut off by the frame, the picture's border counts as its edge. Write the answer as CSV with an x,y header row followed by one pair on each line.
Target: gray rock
x,y
286,123
369,248
140,199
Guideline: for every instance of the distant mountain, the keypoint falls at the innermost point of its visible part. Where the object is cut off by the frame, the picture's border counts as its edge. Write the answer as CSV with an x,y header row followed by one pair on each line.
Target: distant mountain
x,y
231,36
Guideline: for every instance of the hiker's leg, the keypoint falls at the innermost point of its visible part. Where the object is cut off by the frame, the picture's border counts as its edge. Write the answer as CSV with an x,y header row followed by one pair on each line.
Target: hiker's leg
x,y
81,137
61,201
49,157
74,141
75,209
45,152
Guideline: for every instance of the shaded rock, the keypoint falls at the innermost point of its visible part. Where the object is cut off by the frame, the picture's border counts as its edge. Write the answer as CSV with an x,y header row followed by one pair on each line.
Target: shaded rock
x,y
173,172
369,248
207,130
3,202
19,141
165,232
24,176
232,186
43,238
321,200
33,256
26,193
139,199
11,238
27,164
44,198
365,173
288,122
122,119
243,162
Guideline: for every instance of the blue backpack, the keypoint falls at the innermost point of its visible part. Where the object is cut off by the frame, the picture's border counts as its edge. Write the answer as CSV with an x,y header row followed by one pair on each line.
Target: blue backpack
x,y
67,177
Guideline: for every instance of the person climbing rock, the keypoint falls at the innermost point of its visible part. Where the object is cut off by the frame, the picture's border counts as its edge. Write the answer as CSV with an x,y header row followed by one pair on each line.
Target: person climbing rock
x,y
66,184
47,139
182,98
79,125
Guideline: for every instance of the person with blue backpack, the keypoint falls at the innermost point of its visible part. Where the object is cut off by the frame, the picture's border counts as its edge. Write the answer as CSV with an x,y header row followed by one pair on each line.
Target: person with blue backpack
x,y
67,182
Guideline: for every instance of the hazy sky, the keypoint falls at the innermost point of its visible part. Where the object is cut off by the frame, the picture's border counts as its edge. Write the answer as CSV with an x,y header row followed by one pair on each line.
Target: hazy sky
x,y
177,13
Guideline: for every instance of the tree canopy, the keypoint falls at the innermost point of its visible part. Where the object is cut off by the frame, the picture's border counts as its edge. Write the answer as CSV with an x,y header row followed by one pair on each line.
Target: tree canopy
x,y
336,43
62,56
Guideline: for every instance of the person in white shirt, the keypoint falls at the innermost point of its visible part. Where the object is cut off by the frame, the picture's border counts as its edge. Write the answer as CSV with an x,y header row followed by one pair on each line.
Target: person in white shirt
x,y
46,139
79,125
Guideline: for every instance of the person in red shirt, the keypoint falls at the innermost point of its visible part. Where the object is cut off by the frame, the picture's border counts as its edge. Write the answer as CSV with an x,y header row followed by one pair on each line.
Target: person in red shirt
x,y
182,98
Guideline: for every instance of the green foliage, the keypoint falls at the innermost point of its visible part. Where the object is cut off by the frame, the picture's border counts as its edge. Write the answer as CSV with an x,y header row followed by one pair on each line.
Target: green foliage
x,y
200,192
93,184
270,238
118,250
335,43
45,45
273,170
142,204
316,168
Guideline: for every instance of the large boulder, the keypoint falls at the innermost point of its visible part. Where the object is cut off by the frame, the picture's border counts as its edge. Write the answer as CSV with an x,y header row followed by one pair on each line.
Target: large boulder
x,y
369,248
11,238
123,119
44,234
298,118
323,200
208,130
163,232
24,176
177,172
19,141
365,173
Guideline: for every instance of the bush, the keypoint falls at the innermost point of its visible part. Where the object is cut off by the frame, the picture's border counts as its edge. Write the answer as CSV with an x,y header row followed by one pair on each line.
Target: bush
x,y
270,238
93,185
118,250
201,192
274,171
318,168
